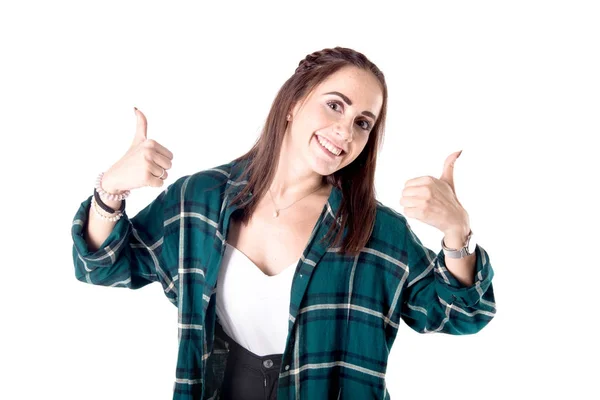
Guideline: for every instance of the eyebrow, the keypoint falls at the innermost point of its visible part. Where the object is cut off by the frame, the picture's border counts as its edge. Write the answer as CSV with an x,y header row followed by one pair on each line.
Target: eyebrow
x,y
349,102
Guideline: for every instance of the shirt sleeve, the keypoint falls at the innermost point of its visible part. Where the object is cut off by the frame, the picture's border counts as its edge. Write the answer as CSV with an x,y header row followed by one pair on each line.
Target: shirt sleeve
x,y
131,256
433,300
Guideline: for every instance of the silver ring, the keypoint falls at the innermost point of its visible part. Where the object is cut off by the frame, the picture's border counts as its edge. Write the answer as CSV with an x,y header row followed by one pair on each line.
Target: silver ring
x,y
161,175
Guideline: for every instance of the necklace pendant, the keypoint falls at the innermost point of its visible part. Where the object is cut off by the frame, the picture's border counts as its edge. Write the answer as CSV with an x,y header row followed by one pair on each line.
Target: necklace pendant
x,y
276,214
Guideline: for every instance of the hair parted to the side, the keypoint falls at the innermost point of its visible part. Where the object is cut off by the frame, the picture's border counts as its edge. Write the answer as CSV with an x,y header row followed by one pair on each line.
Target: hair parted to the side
x,y
356,180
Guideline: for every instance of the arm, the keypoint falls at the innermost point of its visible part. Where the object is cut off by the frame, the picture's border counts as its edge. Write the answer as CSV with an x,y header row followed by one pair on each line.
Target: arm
x,y
434,300
131,256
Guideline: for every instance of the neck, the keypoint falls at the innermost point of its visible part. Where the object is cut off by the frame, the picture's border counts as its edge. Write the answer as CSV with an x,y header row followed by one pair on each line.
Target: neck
x,y
294,179
286,188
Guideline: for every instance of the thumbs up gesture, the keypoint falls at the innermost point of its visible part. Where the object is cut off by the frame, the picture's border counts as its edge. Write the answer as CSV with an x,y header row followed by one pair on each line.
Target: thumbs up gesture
x,y
144,164
433,201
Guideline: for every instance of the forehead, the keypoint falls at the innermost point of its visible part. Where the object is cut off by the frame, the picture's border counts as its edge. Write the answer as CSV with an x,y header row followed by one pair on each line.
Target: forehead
x,y
362,87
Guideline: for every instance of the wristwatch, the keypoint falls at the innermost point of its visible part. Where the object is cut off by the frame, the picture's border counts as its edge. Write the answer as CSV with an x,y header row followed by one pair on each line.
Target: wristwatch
x,y
466,250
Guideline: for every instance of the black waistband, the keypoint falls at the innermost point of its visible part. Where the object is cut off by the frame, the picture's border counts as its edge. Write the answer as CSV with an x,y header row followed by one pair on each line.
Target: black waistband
x,y
266,363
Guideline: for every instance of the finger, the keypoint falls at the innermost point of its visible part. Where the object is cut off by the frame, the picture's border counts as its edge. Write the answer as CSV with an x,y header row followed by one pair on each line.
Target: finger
x,y
156,182
422,180
410,202
159,148
155,170
448,171
413,212
155,179
416,191
161,160
141,128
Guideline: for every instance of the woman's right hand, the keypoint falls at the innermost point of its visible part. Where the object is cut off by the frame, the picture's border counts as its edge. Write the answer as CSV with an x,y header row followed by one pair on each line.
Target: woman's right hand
x,y
141,165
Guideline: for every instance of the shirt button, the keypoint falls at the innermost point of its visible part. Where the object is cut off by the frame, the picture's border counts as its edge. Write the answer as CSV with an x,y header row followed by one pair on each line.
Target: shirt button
x,y
287,367
268,363
300,275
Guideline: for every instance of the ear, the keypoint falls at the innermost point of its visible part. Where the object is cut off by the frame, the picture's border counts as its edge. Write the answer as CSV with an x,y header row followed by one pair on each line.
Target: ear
x,y
297,106
294,110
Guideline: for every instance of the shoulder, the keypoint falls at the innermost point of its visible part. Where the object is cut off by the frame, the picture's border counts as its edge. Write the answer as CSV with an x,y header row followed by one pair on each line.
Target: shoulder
x,y
211,181
389,223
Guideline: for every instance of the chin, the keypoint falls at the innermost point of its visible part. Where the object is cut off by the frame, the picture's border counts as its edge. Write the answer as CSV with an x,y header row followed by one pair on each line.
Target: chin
x,y
324,169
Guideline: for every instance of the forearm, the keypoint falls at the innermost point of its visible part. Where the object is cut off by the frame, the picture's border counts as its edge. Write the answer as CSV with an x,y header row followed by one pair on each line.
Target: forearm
x,y
98,229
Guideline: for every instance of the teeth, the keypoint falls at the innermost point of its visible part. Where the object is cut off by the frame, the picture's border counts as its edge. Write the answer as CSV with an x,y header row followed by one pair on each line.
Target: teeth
x,y
329,146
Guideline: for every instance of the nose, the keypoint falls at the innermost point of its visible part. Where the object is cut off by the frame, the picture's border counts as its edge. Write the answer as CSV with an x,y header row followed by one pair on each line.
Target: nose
x,y
342,130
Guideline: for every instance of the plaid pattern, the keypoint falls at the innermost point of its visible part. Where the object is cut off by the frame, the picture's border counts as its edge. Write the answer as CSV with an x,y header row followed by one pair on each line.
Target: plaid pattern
x,y
344,310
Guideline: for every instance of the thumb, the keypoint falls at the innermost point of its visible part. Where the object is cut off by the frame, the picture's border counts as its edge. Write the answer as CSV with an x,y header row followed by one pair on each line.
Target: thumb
x,y
141,128
448,172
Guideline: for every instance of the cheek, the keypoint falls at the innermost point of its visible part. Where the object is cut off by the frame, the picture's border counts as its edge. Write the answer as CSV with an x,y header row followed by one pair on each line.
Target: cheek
x,y
320,116
361,142
315,119
360,147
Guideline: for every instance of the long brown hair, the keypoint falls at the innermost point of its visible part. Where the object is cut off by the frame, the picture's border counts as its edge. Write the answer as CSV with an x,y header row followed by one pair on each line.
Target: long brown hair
x,y
356,180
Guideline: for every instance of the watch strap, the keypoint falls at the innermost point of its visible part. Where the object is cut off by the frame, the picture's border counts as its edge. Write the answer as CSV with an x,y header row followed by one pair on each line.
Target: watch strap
x,y
458,253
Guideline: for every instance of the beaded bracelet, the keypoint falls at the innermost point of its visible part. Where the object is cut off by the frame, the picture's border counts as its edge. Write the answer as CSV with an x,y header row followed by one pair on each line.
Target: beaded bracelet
x,y
106,207
107,218
99,212
109,196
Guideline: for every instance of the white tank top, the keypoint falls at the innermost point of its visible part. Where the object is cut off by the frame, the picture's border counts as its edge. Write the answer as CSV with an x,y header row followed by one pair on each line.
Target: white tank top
x,y
252,307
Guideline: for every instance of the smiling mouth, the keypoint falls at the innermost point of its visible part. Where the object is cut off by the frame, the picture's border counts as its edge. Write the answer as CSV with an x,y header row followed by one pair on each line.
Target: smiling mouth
x,y
328,147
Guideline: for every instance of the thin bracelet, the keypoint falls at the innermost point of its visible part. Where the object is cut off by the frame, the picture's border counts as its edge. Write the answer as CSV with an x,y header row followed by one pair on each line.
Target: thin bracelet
x,y
104,217
106,207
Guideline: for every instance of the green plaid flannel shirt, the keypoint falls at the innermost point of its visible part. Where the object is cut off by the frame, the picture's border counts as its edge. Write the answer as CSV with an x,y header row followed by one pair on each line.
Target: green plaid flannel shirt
x,y
344,311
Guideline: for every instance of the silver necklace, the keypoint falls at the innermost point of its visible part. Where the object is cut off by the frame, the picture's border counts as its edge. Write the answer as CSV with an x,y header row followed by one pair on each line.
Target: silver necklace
x,y
276,213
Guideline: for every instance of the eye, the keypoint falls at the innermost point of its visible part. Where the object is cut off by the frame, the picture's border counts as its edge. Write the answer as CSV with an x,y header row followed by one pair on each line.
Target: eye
x,y
365,127
335,103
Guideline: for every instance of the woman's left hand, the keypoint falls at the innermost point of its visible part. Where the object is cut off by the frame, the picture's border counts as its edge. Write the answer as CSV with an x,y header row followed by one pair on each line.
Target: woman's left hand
x,y
434,201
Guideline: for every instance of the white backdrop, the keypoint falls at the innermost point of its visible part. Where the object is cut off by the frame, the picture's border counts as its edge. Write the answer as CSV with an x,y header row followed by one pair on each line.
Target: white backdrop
x,y
515,84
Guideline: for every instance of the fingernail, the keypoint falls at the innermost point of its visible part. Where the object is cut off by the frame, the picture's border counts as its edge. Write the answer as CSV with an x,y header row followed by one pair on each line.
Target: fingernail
x,y
459,154
134,109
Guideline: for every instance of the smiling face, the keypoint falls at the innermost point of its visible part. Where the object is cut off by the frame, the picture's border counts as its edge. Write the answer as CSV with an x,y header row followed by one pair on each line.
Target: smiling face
x,y
339,114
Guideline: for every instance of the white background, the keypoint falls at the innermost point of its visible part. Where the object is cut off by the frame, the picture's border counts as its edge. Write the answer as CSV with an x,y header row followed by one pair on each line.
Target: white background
x,y
515,84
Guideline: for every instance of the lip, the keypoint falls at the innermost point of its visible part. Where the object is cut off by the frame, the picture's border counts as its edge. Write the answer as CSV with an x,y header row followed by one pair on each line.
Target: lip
x,y
325,151
333,143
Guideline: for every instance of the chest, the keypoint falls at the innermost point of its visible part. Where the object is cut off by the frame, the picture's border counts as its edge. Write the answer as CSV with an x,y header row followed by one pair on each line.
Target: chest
x,y
272,244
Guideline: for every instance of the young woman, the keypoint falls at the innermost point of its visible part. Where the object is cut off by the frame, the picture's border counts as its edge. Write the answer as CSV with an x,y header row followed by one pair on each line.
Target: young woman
x,y
289,276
